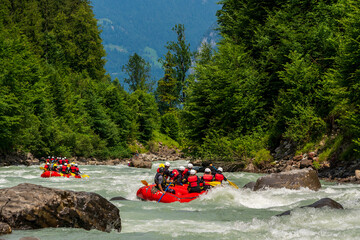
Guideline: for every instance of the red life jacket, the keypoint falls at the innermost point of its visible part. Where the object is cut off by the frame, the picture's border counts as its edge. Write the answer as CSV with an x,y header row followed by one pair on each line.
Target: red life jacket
x,y
193,181
175,173
76,169
61,161
64,168
72,169
185,171
219,177
67,161
208,177
46,167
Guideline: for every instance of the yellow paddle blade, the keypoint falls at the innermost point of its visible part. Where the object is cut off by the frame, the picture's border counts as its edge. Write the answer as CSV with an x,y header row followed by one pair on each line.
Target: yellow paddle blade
x,y
214,183
42,168
144,182
233,184
84,175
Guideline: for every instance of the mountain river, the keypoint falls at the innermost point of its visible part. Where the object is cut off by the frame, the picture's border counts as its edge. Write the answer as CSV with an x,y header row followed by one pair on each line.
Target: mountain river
x,y
223,213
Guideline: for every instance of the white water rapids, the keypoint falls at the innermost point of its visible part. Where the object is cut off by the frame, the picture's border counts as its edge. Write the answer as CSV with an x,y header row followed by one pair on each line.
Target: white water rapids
x,y
223,213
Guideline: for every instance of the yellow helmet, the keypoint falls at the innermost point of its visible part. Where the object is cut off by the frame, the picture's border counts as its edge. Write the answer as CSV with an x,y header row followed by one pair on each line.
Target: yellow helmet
x,y
161,165
55,165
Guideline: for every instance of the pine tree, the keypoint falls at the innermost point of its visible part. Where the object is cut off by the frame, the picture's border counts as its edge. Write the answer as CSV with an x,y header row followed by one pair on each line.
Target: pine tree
x,y
137,70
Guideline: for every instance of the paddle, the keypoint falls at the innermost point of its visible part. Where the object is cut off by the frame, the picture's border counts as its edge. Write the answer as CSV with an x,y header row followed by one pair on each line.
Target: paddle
x,y
233,184
164,192
214,183
144,182
230,182
83,176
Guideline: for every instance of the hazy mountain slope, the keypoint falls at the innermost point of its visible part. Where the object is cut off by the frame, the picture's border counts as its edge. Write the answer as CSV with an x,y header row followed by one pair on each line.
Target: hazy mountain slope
x,y
144,27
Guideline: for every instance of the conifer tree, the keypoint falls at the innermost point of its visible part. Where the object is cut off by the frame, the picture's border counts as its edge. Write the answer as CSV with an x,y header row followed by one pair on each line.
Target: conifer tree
x,y
138,72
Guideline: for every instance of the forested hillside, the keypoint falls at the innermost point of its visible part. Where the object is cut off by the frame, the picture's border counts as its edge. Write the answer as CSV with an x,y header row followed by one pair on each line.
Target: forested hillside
x,y
284,71
54,95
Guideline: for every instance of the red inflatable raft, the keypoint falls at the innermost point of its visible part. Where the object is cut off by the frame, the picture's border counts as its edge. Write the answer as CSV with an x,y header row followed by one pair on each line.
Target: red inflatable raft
x,y
56,174
181,194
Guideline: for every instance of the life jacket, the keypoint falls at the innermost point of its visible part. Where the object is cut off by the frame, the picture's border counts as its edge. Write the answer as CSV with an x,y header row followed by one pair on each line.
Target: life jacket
x,y
175,173
193,181
185,171
76,169
46,167
72,169
208,177
219,177
67,161
64,169
61,162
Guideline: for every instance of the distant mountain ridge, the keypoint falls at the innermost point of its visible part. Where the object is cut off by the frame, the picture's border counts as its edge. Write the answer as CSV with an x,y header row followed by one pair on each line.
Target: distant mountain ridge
x,y
144,27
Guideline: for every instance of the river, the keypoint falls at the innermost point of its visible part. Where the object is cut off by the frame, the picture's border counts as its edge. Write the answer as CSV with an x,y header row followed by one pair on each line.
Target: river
x,y
223,213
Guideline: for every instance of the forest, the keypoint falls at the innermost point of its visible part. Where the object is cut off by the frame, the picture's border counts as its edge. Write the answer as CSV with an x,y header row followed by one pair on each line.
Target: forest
x,y
283,71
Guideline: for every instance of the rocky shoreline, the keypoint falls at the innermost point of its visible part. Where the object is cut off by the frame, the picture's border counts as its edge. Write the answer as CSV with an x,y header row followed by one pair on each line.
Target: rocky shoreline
x,y
344,172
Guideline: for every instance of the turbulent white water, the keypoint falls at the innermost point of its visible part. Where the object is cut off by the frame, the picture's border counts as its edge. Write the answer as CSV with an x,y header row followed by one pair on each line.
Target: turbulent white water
x,y
223,213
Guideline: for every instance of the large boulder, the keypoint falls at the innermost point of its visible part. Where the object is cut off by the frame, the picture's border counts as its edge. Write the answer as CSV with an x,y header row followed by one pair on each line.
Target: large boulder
x,y
140,163
295,179
30,206
324,202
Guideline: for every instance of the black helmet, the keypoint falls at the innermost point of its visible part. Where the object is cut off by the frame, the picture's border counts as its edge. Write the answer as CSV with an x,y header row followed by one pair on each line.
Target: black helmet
x,y
161,170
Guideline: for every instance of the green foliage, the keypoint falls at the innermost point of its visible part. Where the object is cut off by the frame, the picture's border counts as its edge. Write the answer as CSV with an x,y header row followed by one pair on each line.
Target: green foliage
x,y
181,55
145,113
137,71
262,156
169,125
165,140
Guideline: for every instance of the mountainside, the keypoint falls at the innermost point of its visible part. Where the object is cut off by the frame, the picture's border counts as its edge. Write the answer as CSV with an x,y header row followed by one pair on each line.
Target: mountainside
x,y
145,27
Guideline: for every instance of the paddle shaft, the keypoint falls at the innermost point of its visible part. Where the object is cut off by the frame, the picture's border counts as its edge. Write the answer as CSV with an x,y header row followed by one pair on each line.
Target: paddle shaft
x,y
164,192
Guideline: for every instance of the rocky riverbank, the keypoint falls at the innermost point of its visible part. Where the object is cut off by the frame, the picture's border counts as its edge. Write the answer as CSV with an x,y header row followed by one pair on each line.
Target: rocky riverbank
x,y
284,160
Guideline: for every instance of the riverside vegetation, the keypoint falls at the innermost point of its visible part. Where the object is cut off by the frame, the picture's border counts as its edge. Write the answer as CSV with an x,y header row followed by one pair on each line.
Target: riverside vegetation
x,y
284,71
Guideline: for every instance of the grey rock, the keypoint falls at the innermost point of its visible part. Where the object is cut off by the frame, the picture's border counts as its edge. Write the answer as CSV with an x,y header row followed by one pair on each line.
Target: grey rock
x,y
306,178
30,206
324,202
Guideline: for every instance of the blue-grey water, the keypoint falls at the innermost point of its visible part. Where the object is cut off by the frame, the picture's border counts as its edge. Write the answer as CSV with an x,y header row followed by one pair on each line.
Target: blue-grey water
x,y
223,213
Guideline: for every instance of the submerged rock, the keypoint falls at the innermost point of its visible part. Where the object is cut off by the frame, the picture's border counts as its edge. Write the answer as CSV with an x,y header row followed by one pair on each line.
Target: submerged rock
x,y
118,199
295,179
324,202
30,206
250,185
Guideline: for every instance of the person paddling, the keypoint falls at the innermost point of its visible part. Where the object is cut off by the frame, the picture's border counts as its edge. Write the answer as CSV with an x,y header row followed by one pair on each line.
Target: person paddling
x,y
160,181
195,184
207,177
47,167
167,173
219,176
187,172
177,175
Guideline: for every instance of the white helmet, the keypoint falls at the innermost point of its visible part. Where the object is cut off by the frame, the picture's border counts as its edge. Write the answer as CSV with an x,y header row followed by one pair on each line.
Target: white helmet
x,y
220,169
65,164
47,163
63,158
60,165
181,168
207,170
190,165
192,172
75,164
167,164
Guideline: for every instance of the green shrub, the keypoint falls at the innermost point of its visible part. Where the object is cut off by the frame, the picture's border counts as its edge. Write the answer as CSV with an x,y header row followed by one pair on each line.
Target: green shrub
x,y
262,156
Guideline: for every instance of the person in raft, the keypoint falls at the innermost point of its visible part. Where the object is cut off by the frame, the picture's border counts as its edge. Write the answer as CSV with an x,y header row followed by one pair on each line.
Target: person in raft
x,y
167,173
195,183
177,175
47,167
219,176
206,178
212,169
186,172
160,181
